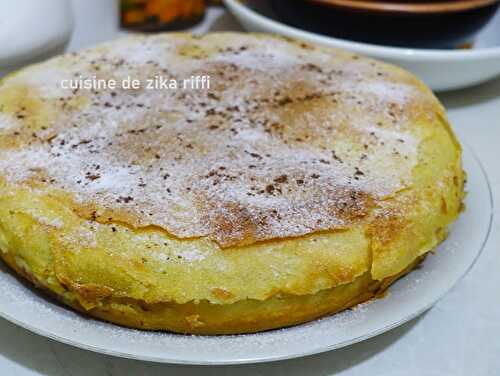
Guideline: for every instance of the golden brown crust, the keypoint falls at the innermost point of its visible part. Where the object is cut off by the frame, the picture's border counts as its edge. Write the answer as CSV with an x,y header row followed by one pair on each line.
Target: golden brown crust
x,y
303,182
247,316
289,140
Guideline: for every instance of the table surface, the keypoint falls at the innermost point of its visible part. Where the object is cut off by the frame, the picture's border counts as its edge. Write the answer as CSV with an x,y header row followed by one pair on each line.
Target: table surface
x,y
458,336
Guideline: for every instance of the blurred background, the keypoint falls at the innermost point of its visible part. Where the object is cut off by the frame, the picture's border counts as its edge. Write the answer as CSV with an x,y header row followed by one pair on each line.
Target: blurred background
x,y
458,337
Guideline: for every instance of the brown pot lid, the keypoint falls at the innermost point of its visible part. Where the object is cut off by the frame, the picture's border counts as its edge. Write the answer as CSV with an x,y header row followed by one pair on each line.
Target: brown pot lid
x,y
442,6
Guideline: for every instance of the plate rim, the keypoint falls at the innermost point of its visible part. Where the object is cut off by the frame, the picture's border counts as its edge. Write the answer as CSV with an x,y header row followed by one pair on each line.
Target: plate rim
x,y
275,358
379,51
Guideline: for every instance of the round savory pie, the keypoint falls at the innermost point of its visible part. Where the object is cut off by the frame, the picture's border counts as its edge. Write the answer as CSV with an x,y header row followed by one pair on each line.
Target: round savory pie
x,y
297,182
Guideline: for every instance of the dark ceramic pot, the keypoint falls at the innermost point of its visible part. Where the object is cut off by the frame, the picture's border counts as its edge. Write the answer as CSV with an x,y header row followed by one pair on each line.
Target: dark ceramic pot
x,y
439,29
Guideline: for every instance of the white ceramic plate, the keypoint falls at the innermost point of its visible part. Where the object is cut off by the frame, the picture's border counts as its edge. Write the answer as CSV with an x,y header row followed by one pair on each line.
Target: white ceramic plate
x,y
32,30
440,69
407,298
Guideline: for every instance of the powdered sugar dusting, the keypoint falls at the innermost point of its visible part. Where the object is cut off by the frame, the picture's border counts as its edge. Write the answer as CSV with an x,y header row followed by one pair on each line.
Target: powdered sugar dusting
x,y
7,122
289,140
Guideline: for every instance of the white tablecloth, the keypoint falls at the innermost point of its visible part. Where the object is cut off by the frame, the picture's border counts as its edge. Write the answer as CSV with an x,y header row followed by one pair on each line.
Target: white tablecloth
x,y
460,336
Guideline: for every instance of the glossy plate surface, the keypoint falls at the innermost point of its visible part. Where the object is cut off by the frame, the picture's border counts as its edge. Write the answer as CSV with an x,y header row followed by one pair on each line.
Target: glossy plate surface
x,y
407,298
